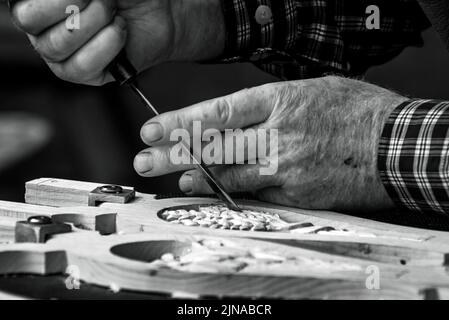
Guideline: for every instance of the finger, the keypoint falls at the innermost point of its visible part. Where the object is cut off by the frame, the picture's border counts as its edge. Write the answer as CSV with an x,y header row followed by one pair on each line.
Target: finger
x,y
34,16
162,160
155,162
237,178
239,148
89,64
59,42
239,110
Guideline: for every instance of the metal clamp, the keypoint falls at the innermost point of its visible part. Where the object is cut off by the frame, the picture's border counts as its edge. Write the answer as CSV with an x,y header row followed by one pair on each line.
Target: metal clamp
x,y
110,193
38,229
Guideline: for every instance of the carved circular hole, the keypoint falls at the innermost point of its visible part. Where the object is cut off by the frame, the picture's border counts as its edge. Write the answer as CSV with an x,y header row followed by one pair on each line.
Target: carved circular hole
x,y
149,251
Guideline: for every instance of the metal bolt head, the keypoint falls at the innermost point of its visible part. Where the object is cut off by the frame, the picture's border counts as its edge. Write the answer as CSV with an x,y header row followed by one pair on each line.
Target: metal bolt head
x,y
39,220
111,189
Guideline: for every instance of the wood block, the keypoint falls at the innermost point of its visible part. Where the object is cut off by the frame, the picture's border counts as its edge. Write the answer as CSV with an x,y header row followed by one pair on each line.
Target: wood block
x,y
31,259
86,218
34,233
59,192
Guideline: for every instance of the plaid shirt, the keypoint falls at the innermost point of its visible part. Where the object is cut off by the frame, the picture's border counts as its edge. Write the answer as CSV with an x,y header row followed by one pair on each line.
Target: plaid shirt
x,y
413,156
309,38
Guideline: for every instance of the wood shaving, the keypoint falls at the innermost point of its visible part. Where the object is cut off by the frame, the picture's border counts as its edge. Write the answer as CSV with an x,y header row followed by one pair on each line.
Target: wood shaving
x,y
224,256
221,217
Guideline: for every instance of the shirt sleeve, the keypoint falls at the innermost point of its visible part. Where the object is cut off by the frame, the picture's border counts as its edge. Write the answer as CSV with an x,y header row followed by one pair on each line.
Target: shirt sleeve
x,y
298,39
413,157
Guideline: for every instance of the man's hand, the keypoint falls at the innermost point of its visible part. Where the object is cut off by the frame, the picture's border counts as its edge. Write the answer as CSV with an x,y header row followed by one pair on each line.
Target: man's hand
x,y
328,135
153,31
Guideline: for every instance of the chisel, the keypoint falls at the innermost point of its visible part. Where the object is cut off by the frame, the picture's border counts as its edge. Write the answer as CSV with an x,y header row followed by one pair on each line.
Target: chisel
x,y
125,74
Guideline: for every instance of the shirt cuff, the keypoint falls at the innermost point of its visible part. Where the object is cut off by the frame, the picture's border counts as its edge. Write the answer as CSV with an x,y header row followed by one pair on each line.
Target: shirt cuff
x,y
413,157
259,30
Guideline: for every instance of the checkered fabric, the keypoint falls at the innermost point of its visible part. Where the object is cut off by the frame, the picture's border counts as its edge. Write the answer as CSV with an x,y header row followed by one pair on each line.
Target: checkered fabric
x,y
413,156
309,38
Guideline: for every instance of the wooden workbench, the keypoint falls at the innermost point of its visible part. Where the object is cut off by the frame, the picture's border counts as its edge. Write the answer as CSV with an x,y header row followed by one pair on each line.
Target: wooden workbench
x,y
115,242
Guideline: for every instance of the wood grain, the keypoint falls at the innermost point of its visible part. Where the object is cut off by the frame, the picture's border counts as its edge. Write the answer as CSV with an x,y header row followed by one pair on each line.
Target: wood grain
x,y
142,212
88,218
92,255
412,262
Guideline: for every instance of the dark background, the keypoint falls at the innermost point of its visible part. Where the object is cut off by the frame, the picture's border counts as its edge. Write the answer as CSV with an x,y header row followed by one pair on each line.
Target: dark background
x,y
61,130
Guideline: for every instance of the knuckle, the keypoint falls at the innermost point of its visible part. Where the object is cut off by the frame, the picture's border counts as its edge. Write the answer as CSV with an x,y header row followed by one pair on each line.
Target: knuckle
x,y
290,95
119,29
222,111
70,74
50,48
181,122
166,157
78,71
160,157
266,90
120,34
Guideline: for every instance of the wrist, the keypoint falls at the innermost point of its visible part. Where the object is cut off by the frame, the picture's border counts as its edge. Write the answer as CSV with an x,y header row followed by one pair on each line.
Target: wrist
x,y
383,105
360,123
200,30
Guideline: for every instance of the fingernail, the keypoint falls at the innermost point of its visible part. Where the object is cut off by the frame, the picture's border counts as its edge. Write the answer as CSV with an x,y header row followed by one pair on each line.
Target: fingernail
x,y
186,183
152,132
143,163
